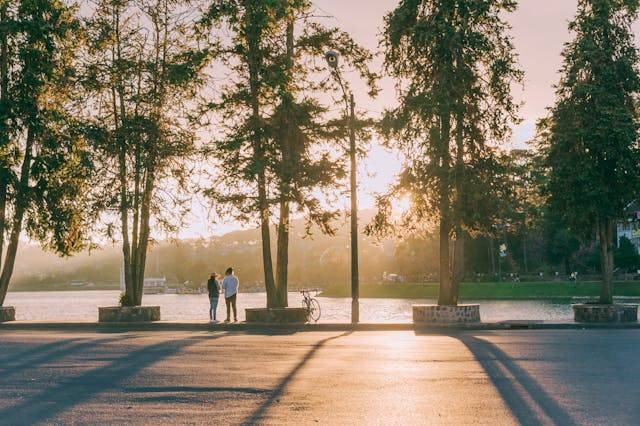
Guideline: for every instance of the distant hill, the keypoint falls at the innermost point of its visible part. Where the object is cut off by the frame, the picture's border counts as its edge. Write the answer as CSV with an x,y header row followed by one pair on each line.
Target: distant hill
x,y
315,260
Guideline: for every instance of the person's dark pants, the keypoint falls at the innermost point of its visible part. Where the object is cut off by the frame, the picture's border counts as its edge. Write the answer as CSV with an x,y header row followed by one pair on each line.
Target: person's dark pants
x,y
231,302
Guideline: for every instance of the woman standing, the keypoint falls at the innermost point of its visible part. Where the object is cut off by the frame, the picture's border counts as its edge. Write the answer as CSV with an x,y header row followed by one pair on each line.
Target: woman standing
x,y
214,293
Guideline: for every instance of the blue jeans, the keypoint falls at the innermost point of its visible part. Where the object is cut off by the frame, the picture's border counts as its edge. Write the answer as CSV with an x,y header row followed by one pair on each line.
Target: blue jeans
x,y
213,308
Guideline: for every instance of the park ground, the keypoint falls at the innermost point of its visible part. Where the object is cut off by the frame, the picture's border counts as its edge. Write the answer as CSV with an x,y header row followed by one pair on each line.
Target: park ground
x,y
489,290
461,377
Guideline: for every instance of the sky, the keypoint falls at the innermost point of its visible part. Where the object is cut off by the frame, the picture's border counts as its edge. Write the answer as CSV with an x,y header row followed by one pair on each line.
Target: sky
x,y
539,30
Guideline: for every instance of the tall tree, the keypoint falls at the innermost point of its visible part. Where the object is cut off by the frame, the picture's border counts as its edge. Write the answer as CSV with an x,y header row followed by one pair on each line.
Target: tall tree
x,y
244,152
45,167
143,71
277,148
307,136
592,145
454,63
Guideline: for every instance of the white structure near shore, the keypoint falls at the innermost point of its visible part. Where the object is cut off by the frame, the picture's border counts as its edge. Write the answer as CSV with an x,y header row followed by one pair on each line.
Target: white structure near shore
x,y
630,226
152,285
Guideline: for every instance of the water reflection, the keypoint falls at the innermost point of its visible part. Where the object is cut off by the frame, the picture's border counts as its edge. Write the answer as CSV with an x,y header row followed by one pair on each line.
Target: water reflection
x,y
83,306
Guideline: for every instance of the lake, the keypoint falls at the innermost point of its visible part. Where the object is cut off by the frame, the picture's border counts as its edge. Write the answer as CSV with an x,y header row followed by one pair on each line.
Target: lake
x,y
83,306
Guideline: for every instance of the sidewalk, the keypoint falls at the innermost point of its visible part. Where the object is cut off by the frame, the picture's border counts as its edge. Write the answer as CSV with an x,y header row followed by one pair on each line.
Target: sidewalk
x,y
459,377
256,327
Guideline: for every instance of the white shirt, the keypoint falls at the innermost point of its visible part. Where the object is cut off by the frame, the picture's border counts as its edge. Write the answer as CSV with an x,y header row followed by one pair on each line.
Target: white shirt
x,y
230,285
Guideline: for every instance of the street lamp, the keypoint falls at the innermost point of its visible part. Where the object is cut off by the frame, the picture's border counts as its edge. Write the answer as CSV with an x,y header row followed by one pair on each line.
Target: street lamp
x,y
332,59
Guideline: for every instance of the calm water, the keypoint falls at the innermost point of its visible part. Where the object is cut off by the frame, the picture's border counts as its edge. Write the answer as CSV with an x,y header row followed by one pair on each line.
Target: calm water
x,y
83,306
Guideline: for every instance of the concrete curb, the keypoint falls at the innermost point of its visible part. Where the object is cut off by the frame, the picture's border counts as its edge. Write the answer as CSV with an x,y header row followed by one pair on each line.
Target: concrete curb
x,y
270,328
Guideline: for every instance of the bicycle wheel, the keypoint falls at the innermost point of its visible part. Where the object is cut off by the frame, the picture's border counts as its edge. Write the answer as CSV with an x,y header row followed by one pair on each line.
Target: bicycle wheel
x,y
305,305
314,310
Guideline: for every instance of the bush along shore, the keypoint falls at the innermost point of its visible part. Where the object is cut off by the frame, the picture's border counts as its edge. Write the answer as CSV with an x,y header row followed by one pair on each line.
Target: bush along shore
x,y
487,290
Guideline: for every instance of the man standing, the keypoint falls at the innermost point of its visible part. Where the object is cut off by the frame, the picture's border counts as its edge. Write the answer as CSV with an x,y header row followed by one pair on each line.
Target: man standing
x,y
230,287
214,293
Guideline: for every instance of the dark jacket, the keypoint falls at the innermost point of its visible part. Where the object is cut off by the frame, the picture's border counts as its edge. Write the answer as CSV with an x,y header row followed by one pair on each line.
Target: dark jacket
x,y
214,287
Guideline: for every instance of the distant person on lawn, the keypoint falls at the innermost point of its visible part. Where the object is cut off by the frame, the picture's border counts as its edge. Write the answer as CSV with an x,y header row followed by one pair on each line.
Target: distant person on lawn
x,y
214,294
230,287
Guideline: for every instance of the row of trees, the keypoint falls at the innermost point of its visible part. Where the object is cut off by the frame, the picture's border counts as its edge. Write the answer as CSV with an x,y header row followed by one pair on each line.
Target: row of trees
x,y
101,110
455,65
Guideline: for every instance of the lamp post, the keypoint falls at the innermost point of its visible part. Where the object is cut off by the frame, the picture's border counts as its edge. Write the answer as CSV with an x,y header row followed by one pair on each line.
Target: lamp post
x,y
332,61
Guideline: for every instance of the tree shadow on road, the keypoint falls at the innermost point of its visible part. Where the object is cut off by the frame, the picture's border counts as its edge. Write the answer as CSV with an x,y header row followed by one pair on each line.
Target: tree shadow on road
x,y
196,389
259,412
46,354
57,399
525,397
33,351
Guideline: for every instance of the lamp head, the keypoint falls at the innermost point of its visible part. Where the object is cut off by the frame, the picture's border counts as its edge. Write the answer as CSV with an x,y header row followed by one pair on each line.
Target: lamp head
x,y
332,59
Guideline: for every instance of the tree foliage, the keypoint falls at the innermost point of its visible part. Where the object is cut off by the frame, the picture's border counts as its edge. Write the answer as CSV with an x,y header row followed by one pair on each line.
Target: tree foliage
x,y
45,166
143,70
279,141
591,142
454,64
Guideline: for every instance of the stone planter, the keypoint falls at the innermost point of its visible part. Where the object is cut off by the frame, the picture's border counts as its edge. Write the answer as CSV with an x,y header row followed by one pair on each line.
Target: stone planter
x,y
605,313
129,314
7,313
434,314
277,315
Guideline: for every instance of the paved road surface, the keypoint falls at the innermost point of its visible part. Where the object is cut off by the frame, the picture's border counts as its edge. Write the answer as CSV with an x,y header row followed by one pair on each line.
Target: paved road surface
x,y
503,377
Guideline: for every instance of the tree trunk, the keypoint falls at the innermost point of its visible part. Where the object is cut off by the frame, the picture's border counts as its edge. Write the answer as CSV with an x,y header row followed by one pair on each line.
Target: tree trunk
x,y
524,252
282,261
458,249
492,256
3,209
143,242
4,141
21,205
605,231
267,261
445,295
124,225
286,142
458,264
254,63
119,112
136,199
353,186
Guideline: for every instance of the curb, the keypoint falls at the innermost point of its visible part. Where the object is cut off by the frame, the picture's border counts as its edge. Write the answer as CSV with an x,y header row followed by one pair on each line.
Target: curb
x,y
270,328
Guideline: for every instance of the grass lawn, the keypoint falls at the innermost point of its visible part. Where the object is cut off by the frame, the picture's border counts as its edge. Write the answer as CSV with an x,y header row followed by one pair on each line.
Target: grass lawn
x,y
40,286
488,290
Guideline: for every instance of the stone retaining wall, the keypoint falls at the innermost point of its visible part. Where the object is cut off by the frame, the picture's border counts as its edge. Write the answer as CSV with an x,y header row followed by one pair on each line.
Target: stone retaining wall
x,y
605,313
7,313
129,314
434,314
277,315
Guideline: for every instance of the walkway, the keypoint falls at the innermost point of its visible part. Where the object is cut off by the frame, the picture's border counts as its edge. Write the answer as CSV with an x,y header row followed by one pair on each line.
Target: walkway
x,y
400,377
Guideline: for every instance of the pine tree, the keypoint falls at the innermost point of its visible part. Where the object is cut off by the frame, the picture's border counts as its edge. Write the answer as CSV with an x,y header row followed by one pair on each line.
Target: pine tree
x,y
592,145
244,152
454,63
277,142
307,136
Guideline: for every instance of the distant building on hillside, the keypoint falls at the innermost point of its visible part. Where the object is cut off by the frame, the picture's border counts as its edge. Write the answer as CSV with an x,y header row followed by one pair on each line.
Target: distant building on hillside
x,y
630,227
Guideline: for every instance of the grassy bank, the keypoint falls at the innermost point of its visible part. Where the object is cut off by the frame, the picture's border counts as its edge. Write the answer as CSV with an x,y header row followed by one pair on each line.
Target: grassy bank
x,y
40,286
491,290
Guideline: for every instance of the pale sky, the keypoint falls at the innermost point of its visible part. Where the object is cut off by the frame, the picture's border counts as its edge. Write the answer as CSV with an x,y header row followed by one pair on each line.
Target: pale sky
x,y
539,32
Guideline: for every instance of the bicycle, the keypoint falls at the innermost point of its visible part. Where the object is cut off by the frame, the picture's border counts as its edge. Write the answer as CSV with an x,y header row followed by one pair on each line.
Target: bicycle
x,y
311,304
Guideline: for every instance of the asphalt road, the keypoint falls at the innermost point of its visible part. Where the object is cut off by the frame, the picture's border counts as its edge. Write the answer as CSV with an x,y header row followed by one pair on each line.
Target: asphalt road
x,y
501,377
